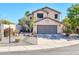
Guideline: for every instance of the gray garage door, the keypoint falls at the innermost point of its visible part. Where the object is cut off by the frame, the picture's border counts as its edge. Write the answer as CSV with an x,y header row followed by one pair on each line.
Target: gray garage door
x,y
46,29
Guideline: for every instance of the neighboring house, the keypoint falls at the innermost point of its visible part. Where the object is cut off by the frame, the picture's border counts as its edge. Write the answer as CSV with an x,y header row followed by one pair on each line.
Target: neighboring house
x,y
47,21
5,26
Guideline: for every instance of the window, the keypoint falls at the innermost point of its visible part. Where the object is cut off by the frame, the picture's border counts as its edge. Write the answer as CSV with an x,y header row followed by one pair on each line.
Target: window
x,y
30,17
40,15
56,16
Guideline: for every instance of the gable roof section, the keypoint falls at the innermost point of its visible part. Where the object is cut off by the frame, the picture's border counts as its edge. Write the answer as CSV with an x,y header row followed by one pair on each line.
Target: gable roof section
x,y
50,19
42,9
51,9
38,10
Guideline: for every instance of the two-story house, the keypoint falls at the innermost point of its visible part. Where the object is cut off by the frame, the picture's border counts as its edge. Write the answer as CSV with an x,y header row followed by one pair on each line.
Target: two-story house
x,y
47,21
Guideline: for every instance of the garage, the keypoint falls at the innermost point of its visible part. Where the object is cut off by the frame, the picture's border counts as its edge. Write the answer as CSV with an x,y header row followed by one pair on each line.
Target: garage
x,y
46,29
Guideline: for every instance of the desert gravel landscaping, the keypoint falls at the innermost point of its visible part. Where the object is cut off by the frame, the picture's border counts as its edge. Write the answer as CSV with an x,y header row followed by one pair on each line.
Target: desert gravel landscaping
x,y
56,43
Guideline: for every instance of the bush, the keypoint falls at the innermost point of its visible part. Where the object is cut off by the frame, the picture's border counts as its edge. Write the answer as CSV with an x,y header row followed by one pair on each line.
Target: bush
x,y
17,40
34,34
67,31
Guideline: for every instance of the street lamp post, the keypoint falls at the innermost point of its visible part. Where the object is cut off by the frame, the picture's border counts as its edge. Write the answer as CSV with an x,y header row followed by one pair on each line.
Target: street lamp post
x,y
9,35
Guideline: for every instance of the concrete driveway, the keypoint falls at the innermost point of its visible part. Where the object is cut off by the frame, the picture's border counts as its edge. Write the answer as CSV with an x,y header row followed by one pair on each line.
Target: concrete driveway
x,y
69,50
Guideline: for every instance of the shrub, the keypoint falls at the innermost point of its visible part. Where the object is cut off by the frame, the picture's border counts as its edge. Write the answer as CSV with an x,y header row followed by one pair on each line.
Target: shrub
x,y
17,40
68,32
34,34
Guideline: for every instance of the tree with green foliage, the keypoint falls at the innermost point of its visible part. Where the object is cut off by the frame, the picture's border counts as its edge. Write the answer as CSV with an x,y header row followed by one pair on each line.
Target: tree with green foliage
x,y
24,19
72,20
73,15
31,23
66,21
67,24
27,13
5,21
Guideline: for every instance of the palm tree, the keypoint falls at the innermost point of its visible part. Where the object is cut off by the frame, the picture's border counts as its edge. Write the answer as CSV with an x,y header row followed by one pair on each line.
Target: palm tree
x,y
31,23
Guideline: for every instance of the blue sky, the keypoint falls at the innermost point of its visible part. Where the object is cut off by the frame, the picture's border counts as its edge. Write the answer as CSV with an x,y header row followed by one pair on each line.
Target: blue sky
x,y
14,11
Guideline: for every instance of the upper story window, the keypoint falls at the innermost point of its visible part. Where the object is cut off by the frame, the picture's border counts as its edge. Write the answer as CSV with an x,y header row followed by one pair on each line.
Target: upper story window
x,y
40,15
56,16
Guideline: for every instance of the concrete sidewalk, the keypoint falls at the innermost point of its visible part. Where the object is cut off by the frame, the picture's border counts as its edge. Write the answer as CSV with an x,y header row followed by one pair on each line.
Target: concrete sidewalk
x,y
24,48
29,47
45,45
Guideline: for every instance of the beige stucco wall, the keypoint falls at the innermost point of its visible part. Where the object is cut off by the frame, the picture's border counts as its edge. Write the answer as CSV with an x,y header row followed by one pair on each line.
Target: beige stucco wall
x,y
60,28
48,22
11,26
52,13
